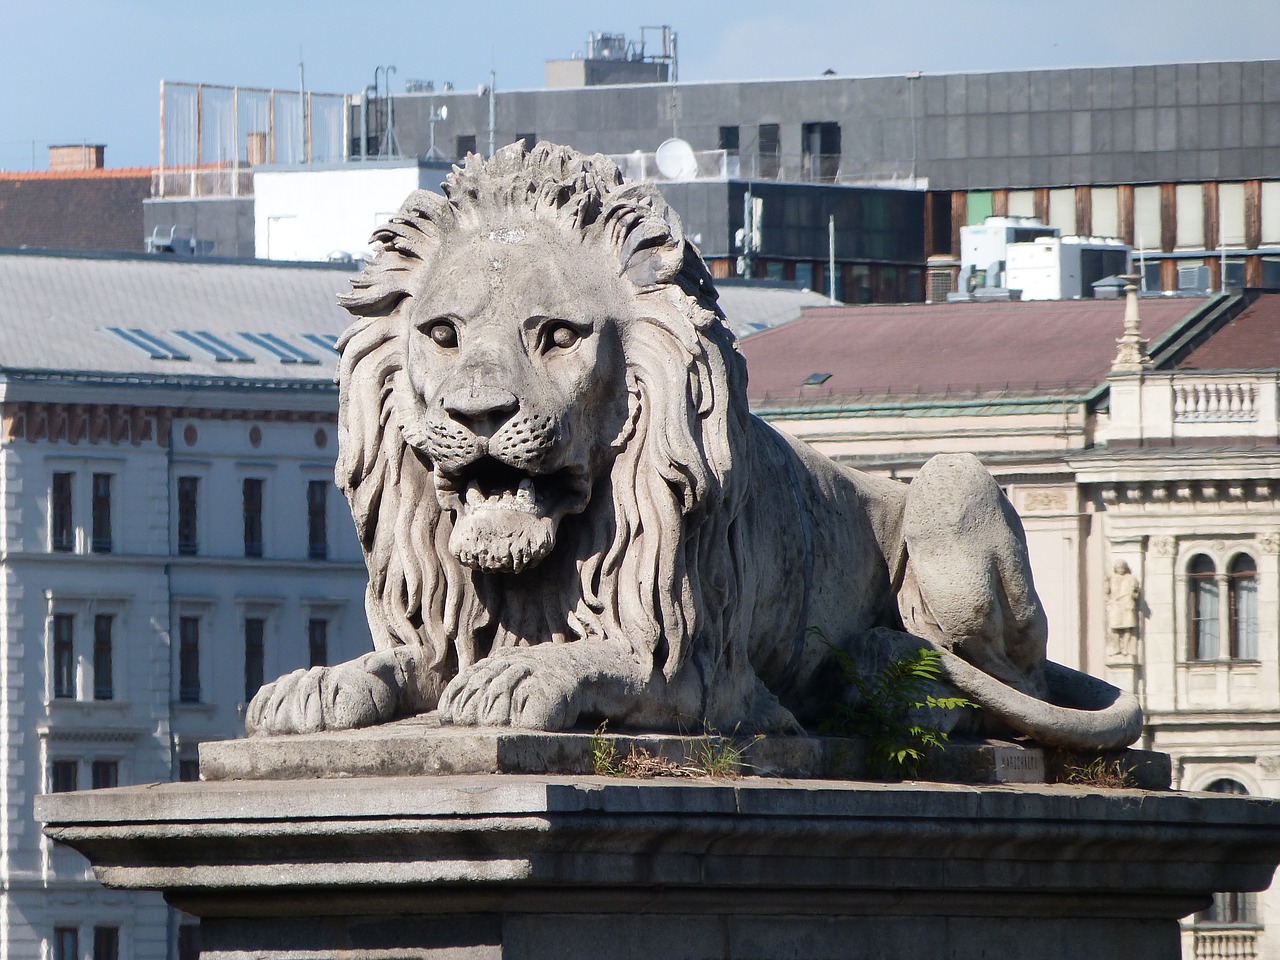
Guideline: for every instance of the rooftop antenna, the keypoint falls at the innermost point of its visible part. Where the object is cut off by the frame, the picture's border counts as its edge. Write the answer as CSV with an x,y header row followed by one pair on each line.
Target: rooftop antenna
x,y
302,109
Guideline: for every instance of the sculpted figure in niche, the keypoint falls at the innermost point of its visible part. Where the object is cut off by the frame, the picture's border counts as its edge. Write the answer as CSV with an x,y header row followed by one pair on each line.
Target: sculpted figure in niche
x,y
569,514
1122,611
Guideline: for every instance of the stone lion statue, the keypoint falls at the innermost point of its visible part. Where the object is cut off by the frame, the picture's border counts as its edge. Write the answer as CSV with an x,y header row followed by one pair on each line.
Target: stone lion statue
x,y
570,515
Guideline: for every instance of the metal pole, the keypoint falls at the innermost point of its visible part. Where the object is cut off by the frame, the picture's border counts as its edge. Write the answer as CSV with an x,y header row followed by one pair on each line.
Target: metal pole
x,y
235,141
831,258
302,110
1222,263
493,82
33,145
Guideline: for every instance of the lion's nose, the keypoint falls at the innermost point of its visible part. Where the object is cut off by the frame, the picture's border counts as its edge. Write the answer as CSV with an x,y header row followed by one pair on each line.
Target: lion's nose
x,y
482,410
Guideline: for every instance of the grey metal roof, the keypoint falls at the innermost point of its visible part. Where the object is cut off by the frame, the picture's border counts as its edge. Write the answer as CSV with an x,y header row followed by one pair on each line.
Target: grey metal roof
x,y
56,313
752,307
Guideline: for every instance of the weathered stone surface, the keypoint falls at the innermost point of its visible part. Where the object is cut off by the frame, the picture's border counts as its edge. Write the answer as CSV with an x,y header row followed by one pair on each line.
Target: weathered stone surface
x,y
421,746
569,513
530,867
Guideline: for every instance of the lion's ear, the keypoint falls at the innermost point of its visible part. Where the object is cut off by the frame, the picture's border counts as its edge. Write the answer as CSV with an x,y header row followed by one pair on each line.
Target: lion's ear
x,y
648,234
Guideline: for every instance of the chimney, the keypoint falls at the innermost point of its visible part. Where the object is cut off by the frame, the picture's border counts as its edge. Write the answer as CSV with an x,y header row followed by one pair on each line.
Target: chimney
x,y
77,156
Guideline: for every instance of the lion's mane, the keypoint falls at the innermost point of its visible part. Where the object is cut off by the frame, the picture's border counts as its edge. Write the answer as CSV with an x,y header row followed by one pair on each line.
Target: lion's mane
x,y
658,559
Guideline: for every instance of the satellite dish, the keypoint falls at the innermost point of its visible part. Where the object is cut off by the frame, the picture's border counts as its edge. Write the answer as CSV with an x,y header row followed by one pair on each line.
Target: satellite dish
x,y
675,159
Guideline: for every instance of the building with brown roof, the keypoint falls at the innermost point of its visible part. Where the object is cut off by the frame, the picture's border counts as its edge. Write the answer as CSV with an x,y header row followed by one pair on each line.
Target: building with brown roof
x,y
1169,464
77,204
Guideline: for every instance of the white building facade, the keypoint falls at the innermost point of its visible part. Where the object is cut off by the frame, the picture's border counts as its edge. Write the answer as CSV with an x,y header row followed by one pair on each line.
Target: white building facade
x,y
172,537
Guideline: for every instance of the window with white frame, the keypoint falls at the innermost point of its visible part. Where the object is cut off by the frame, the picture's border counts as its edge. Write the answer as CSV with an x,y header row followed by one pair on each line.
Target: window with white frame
x,y
1222,608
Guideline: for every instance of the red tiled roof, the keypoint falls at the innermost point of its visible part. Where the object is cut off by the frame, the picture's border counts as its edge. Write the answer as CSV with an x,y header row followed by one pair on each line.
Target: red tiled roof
x,y
955,348
112,173
1249,342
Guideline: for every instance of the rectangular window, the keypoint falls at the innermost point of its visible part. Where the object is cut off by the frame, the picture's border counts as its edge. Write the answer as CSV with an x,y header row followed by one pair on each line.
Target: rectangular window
x,y
317,526
254,628
103,686
464,144
189,659
189,941
105,773
64,656
1190,214
318,641
101,540
66,943
252,516
63,776
188,769
820,146
106,943
729,138
62,531
769,151
188,534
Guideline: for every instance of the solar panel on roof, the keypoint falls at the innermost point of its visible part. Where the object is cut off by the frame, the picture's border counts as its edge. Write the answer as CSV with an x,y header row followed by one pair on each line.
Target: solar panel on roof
x,y
148,343
284,352
323,340
220,350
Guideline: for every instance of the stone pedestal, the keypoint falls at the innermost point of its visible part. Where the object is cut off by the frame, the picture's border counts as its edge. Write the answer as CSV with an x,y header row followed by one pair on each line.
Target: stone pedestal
x,y
552,866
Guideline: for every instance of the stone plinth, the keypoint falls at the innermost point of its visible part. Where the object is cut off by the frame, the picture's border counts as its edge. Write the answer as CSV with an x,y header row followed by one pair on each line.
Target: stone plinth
x,y
537,866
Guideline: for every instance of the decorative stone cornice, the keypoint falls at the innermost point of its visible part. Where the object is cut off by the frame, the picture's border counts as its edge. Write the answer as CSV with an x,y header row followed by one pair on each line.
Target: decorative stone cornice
x,y
118,424
1187,491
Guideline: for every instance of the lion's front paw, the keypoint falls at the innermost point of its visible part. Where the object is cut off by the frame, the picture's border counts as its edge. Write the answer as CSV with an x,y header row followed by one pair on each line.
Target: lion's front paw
x,y
322,698
520,688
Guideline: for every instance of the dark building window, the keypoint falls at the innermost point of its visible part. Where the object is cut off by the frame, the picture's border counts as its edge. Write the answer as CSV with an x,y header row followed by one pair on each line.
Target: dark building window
x,y
254,628
63,776
105,773
769,151
1202,609
1242,599
64,656
101,540
528,139
729,139
318,641
188,769
820,147
464,145
102,653
188,534
66,943
253,517
189,941
189,659
317,527
62,528
106,943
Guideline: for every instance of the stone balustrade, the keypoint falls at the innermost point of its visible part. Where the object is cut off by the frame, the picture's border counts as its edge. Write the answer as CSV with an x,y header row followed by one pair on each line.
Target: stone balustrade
x,y
1234,944
1229,401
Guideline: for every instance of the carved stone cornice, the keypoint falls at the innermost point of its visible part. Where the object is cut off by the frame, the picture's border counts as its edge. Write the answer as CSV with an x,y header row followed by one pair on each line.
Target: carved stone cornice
x,y
1138,493
118,424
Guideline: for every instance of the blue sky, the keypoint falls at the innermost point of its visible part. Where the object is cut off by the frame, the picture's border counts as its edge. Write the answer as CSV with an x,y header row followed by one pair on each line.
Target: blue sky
x,y
74,70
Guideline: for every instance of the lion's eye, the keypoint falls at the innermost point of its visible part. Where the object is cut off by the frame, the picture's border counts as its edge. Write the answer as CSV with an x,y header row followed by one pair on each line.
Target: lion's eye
x,y
442,334
562,336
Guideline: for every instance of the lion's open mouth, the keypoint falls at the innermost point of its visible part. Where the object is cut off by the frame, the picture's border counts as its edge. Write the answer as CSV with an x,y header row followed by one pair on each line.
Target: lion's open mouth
x,y
505,518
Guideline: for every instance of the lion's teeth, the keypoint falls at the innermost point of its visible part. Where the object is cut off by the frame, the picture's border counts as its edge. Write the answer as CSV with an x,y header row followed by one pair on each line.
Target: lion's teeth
x,y
474,496
525,491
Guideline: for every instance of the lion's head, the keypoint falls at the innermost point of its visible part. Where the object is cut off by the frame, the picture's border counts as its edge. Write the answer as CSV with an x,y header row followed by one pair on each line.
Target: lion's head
x,y
540,401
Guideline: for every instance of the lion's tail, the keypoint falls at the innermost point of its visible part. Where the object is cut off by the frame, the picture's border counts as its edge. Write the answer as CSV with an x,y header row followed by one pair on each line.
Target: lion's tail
x,y
1083,712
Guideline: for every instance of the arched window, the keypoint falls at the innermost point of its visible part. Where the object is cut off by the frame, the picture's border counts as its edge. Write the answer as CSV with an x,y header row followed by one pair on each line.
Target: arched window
x,y
1242,619
1202,609
1230,907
